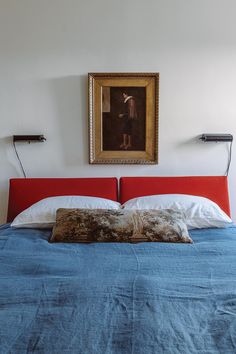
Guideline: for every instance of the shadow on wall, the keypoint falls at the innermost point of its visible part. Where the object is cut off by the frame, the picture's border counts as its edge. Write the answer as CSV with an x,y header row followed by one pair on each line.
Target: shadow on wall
x,y
70,102
187,142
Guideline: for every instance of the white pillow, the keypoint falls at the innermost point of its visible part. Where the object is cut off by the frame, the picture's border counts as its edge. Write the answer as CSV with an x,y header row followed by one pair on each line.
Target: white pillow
x,y
200,212
43,213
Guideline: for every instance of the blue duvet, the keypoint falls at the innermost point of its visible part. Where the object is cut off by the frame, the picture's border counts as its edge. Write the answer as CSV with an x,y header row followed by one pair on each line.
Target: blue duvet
x,y
147,298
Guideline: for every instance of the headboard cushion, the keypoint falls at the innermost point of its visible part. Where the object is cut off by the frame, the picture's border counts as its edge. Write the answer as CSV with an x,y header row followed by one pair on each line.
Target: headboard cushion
x,y
23,192
212,187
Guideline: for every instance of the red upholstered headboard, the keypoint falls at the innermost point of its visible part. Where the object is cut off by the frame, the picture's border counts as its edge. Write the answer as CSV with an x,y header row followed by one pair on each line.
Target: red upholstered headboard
x,y
24,192
214,188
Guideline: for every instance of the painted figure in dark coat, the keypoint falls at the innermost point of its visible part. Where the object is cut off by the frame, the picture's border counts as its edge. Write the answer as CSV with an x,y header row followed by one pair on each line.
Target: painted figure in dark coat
x,y
129,115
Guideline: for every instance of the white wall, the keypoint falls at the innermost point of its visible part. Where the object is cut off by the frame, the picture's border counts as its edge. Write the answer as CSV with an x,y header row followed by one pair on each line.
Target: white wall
x,y
47,47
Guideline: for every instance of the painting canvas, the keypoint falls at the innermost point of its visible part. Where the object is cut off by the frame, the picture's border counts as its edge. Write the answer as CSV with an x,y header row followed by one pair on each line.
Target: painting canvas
x,y
123,117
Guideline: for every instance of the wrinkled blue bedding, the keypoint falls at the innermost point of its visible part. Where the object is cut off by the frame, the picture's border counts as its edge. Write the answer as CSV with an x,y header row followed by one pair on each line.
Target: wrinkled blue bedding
x,y
147,298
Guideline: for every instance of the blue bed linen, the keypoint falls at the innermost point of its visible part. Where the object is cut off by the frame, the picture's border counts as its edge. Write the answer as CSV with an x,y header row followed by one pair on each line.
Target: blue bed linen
x,y
147,298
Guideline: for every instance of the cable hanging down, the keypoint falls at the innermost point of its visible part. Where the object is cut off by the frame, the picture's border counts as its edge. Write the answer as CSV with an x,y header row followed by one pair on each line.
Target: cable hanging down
x,y
18,158
229,159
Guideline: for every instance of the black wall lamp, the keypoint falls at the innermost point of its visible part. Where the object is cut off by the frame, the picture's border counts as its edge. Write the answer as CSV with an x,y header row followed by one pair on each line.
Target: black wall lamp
x,y
29,139
220,138
216,137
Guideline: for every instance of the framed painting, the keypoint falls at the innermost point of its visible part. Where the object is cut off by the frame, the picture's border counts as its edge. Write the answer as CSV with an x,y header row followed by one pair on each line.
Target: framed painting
x,y
123,118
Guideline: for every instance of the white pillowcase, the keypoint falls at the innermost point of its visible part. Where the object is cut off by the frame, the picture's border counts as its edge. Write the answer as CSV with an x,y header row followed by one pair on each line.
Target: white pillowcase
x,y
200,212
43,213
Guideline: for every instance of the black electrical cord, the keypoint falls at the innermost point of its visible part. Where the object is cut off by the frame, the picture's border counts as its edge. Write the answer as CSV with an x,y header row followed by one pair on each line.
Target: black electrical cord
x,y
229,160
18,158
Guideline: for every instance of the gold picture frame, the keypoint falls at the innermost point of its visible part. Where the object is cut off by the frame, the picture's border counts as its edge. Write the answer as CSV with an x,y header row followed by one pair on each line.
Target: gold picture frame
x,y
123,118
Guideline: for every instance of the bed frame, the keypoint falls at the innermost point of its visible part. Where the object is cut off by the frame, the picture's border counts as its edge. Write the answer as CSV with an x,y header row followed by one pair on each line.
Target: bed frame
x,y
23,192
212,187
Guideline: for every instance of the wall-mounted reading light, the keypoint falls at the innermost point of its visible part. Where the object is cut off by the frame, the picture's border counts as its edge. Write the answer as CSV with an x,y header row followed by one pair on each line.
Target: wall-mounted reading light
x,y
220,138
216,137
29,139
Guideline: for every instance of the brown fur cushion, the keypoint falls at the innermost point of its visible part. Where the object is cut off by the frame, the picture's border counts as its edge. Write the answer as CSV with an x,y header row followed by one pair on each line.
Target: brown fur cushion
x,y
100,225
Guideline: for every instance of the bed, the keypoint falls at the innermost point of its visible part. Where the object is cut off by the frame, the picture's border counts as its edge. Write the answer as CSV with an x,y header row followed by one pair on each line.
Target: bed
x,y
115,298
